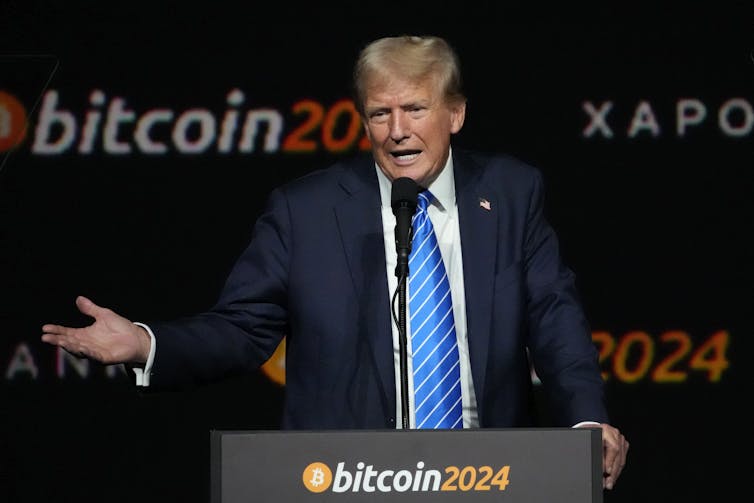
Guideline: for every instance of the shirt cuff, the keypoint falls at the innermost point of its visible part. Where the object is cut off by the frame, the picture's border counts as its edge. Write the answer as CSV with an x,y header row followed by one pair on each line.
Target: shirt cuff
x,y
586,424
142,374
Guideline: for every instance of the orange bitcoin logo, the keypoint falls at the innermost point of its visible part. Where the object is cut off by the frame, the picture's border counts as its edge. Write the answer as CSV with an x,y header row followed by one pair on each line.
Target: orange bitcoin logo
x,y
274,368
12,121
317,477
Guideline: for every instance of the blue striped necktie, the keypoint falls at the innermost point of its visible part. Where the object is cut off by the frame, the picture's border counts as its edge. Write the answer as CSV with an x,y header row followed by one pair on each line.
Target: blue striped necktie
x,y
437,377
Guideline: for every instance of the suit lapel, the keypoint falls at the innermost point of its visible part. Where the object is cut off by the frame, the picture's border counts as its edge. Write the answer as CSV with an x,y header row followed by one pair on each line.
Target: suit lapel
x,y
478,221
360,223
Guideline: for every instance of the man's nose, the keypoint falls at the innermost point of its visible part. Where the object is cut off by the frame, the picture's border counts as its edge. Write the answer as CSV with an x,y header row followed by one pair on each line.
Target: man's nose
x,y
400,127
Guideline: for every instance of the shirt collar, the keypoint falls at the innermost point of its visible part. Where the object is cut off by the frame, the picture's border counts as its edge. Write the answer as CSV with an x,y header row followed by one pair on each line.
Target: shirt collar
x,y
443,188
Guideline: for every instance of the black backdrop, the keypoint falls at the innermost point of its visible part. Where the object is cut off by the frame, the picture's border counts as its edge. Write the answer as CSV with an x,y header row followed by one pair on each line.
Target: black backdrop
x,y
653,207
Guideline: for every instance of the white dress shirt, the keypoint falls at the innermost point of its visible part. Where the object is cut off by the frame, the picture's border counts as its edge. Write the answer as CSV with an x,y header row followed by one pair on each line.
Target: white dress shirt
x,y
443,213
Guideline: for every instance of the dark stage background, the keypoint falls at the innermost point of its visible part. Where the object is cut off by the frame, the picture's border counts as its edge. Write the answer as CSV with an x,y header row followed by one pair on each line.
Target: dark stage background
x,y
132,187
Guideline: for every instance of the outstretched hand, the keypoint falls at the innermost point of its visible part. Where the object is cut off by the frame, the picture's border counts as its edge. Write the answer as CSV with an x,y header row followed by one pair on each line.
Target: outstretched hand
x,y
110,339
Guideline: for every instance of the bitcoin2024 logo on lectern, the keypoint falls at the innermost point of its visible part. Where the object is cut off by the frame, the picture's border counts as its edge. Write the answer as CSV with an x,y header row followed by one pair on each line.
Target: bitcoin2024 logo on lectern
x,y
363,477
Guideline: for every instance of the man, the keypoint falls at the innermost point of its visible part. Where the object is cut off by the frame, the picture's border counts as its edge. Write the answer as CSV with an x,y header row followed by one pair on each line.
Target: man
x,y
320,265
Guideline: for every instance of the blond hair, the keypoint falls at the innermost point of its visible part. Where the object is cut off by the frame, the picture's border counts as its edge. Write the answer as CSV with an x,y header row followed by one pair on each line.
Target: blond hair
x,y
414,58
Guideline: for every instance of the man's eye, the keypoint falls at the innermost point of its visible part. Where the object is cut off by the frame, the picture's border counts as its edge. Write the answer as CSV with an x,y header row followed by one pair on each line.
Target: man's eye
x,y
378,116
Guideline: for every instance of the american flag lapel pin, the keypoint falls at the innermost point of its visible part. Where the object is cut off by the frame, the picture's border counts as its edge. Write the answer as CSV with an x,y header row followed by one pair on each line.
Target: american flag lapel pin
x,y
485,204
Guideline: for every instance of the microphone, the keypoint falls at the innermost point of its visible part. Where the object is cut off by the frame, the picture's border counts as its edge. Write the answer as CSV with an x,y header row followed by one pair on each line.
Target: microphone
x,y
403,200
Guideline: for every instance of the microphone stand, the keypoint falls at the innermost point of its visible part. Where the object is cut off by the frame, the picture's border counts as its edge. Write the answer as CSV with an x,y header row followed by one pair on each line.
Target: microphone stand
x,y
401,271
403,200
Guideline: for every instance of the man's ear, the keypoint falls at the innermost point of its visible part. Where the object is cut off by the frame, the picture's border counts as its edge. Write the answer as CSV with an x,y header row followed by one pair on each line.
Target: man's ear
x,y
457,116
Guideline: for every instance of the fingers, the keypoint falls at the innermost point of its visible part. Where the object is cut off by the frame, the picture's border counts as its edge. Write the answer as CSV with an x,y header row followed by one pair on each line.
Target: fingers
x,y
619,462
111,338
65,337
88,307
615,448
71,339
57,333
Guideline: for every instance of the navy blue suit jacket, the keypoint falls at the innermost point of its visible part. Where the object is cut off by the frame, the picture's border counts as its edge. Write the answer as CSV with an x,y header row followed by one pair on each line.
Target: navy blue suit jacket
x,y
315,272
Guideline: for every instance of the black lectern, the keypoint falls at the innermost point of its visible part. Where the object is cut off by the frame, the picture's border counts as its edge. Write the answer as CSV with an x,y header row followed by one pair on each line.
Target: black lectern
x,y
481,465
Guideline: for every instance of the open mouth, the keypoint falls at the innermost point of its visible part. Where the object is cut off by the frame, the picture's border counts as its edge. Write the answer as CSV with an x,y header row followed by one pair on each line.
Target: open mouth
x,y
405,155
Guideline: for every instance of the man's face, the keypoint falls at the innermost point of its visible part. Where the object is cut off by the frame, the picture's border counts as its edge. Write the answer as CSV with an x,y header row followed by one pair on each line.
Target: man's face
x,y
409,125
